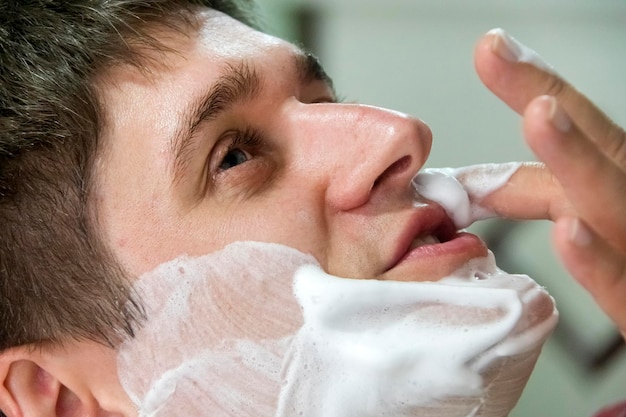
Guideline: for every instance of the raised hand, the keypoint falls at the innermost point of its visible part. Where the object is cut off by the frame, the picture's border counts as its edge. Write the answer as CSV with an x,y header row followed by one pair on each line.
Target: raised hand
x,y
582,186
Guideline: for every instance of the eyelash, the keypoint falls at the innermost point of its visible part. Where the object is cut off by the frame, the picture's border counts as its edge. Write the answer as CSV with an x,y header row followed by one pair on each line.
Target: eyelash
x,y
247,140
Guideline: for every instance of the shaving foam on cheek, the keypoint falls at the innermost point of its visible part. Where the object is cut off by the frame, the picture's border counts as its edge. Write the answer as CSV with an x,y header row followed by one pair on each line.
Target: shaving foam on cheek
x,y
460,190
259,330
217,330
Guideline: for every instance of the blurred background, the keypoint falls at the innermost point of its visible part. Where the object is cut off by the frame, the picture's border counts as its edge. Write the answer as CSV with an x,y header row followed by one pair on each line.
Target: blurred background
x,y
416,56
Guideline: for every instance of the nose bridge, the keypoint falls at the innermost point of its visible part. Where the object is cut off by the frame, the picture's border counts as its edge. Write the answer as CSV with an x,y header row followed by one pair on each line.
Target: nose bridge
x,y
357,148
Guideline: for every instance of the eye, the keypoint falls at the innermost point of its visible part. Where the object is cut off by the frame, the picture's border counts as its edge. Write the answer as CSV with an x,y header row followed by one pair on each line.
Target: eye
x,y
238,148
233,158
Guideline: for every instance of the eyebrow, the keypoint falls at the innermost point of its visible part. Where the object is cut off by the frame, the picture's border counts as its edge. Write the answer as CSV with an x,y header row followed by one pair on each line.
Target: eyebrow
x,y
240,82
310,69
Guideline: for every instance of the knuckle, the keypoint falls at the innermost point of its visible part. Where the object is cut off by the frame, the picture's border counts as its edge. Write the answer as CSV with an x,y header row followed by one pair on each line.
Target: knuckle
x,y
556,87
558,204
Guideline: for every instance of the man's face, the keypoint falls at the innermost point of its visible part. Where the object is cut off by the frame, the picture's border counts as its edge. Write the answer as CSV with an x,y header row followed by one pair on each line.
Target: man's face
x,y
238,136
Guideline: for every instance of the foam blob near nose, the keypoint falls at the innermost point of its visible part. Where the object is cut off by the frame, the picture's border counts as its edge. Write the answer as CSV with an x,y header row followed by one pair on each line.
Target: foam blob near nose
x,y
460,190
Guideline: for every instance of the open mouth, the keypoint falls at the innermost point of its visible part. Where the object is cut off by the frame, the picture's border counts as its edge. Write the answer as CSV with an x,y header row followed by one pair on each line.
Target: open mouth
x,y
428,234
442,233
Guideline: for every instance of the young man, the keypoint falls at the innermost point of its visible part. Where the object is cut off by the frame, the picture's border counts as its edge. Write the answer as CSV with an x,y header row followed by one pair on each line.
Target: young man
x,y
134,132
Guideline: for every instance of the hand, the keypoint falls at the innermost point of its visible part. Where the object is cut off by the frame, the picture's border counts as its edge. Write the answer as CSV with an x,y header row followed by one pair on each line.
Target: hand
x,y
582,186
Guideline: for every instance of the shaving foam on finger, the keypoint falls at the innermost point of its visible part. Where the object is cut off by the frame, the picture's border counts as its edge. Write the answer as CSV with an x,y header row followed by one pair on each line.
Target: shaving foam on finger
x,y
460,190
515,51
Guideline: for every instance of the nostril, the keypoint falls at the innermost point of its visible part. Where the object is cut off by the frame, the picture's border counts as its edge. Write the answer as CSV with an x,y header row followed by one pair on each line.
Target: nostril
x,y
397,167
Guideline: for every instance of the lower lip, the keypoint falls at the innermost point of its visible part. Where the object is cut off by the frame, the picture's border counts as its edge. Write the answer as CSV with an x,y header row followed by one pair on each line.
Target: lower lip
x,y
463,247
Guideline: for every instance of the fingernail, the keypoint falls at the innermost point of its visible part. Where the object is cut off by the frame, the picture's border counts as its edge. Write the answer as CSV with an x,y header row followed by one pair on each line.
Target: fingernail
x,y
559,119
505,46
579,234
511,50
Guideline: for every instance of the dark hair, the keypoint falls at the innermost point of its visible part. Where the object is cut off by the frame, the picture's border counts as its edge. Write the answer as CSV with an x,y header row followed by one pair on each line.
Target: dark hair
x,y
58,279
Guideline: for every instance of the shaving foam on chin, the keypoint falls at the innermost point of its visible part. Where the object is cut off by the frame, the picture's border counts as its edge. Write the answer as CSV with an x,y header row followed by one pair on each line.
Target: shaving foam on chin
x,y
371,348
259,330
460,190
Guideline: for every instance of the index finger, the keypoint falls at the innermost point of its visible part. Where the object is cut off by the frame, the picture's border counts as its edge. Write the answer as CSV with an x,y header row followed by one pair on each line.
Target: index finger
x,y
517,75
532,192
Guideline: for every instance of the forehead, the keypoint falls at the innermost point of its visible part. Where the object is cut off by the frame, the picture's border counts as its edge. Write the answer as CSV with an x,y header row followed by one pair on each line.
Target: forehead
x,y
191,57
211,35
228,38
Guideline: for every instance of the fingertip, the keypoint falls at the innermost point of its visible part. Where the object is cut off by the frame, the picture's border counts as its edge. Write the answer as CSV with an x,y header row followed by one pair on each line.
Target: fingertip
x,y
602,272
557,116
509,69
578,233
594,264
572,240
545,125
487,65
572,157
531,192
498,47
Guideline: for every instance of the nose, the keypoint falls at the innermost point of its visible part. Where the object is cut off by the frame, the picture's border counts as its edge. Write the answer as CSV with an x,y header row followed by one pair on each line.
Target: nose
x,y
359,150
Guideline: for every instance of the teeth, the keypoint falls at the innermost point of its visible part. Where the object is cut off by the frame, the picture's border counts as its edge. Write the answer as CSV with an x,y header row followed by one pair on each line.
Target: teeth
x,y
424,240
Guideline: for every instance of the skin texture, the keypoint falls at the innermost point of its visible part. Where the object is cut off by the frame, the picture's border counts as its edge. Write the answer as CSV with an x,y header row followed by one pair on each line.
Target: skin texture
x,y
305,179
312,184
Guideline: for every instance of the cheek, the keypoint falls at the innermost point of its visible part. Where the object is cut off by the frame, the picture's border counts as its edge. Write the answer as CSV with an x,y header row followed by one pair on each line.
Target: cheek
x,y
143,235
228,311
290,222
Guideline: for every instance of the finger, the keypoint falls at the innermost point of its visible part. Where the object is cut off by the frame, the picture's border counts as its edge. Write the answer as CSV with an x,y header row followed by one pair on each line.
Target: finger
x,y
592,182
531,192
517,75
595,265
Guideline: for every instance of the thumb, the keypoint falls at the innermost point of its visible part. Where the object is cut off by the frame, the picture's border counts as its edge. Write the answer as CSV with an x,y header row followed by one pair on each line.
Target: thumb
x,y
595,265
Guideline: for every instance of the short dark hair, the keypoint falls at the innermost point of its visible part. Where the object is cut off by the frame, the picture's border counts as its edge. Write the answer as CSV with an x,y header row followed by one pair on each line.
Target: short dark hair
x,y
58,280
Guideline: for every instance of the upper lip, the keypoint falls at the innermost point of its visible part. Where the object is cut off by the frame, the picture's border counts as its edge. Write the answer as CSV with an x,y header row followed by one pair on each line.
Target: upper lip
x,y
427,220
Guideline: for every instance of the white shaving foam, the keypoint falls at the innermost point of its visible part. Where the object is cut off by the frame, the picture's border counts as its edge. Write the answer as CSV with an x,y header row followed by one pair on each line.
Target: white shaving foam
x,y
378,348
522,52
217,331
259,330
461,190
